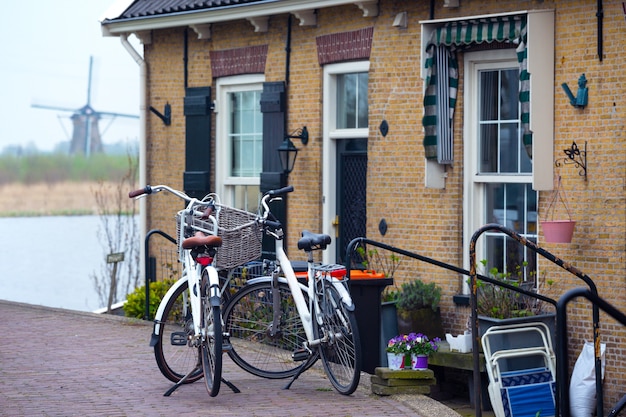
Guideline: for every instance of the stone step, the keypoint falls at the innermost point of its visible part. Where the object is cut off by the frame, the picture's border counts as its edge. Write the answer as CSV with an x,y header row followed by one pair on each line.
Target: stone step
x,y
384,390
386,373
394,382
388,382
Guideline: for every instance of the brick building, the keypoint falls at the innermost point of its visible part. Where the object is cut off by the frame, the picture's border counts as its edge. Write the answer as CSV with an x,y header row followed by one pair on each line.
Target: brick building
x,y
364,78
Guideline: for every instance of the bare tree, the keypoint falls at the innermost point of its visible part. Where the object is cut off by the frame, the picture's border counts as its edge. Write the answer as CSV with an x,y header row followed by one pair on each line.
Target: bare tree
x,y
118,233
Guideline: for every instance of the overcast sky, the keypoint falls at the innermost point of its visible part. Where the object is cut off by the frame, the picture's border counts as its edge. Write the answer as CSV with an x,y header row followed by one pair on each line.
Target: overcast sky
x,y
44,59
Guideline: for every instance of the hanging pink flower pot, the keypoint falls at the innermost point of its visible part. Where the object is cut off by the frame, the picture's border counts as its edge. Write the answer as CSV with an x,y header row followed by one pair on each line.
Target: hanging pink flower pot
x,y
558,231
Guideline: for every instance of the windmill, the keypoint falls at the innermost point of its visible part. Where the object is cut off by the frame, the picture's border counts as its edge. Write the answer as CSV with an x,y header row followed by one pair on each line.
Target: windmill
x,y
86,133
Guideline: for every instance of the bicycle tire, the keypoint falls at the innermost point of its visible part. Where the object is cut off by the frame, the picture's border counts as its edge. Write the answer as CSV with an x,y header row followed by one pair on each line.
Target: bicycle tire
x,y
174,358
248,319
340,352
211,345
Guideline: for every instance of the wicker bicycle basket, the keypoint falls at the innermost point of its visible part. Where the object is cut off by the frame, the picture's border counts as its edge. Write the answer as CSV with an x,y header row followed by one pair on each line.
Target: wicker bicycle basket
x,y
241,237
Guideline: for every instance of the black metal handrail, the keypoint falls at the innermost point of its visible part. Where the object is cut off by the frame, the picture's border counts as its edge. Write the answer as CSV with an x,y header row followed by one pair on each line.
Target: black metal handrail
x,y
561,316
147,265
363,240
561,383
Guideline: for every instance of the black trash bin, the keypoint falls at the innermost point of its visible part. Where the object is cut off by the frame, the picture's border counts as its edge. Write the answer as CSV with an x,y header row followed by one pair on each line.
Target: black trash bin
x,y
366,294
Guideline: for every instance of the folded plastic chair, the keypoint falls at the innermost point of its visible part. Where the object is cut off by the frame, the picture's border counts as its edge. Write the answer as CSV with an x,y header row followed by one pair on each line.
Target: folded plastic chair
x,y
522,371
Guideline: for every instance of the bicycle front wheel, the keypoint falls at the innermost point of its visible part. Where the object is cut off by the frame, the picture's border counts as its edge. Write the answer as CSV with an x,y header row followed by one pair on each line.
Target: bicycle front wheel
x,y
211,345
255,346
173,353
340,349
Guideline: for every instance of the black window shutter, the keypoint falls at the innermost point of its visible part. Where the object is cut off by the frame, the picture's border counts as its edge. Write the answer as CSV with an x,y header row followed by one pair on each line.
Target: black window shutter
x,y
198,108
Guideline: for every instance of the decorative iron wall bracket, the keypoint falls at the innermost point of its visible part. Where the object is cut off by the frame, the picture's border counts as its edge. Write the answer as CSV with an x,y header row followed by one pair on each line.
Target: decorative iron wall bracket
x,y
575,156
167,117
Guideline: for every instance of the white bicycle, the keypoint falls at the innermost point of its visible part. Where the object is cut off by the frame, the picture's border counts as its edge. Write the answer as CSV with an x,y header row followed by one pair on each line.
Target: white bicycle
x,y
278,325
187,335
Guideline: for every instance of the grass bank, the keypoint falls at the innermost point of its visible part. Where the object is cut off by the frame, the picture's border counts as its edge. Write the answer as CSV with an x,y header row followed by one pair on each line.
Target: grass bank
x,y
58,168
67,198
55,184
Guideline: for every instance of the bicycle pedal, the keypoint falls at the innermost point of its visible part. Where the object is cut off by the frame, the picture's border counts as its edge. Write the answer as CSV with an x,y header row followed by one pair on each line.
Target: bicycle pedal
x,y
178,339
300,355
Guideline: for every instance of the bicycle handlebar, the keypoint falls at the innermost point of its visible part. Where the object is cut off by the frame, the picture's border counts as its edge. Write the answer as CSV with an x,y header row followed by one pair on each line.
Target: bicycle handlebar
x,y
272,223
136,193
280,191
153,189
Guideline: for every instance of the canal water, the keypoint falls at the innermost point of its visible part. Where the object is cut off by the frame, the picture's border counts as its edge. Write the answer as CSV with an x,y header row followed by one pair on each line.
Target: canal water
x,y
50,261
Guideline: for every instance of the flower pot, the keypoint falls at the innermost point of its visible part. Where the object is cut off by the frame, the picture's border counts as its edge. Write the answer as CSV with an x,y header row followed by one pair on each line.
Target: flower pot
x,y
395,361
419,362
424,320
558,231
389,327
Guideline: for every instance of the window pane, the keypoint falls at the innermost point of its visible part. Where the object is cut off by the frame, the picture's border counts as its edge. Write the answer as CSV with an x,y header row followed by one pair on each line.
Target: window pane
x,y
515,207
501,148
362,101
489,95
509,94
352,106
246,197
488,148
246,134
509,148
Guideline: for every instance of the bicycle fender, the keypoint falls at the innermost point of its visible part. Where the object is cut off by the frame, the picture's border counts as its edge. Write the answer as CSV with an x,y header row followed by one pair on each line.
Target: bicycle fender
x,y
159,313
214,296
343,292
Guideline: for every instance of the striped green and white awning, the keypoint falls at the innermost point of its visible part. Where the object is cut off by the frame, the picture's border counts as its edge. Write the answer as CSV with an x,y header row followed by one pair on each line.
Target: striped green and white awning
x,y
441,91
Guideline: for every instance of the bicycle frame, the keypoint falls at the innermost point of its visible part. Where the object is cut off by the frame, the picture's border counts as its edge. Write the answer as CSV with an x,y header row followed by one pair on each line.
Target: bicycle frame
x,y
191,275
192,270
306,311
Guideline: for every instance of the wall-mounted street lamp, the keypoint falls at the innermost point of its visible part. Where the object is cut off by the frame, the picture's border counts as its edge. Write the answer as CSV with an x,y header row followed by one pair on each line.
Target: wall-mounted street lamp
x,y
287,151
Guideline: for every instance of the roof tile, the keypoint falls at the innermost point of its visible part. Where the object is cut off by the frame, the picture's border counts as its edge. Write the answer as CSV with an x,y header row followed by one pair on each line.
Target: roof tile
x,y
146,8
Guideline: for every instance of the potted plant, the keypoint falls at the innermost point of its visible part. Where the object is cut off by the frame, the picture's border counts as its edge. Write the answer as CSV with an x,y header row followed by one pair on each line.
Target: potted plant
x,y
397,349
421,348
417,346
497,306
418,308
374,263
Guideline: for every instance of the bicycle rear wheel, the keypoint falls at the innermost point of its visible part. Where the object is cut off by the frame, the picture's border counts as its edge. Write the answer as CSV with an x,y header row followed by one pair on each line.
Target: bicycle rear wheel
x,y
172,351
248,318
211,345
341,349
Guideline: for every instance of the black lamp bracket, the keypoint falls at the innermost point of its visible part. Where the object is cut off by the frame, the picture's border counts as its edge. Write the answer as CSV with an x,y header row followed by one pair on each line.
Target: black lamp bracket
x,y
575,156
166,117
302,134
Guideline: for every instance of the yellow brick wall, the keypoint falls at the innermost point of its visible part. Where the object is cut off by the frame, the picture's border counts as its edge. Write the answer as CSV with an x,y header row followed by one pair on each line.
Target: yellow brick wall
x,y
429,221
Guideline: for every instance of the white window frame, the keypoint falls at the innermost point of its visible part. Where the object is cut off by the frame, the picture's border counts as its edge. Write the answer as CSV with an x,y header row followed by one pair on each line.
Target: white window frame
x,y
474,190
224,183
330,137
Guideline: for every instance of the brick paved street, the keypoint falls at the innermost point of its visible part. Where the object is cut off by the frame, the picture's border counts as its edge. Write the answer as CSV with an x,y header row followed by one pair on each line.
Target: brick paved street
x,y
57,362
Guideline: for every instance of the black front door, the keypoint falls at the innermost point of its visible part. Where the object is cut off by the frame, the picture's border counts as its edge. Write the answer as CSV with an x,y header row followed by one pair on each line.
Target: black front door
x,y
351,217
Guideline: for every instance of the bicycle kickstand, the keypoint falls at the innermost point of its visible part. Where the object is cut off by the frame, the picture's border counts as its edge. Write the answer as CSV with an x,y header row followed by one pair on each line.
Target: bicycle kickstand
x,y
182,380
301,369
231,386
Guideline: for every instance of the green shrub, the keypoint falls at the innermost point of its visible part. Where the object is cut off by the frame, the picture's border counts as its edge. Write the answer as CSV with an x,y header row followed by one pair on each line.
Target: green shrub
x,y
136,301
416,294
